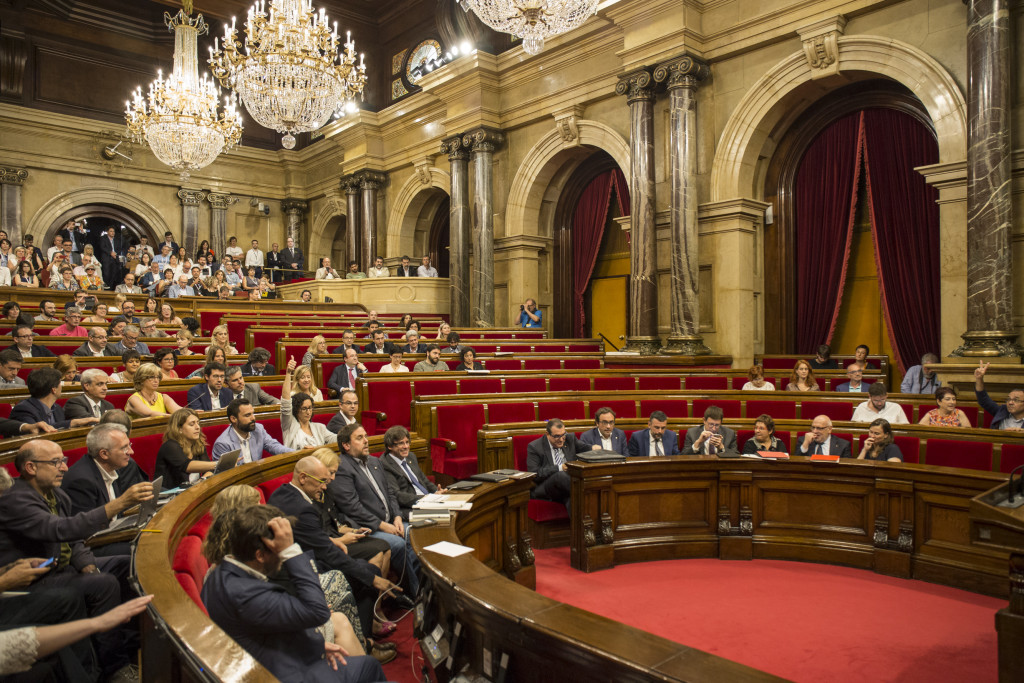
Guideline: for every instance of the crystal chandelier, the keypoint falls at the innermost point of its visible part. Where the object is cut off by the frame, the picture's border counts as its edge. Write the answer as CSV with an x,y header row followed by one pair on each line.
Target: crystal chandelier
x,y
291,75
179,119
532,20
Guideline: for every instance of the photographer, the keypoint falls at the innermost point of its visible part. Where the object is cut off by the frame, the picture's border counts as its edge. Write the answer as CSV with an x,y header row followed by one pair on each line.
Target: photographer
x,y
529,315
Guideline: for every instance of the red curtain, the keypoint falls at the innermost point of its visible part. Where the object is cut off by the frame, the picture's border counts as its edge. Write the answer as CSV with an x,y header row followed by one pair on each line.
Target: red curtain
x,y
621,191
587,230
904,224
825,199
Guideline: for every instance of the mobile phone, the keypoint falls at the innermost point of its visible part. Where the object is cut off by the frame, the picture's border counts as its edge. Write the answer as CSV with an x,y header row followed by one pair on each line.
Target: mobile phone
x,y
47,563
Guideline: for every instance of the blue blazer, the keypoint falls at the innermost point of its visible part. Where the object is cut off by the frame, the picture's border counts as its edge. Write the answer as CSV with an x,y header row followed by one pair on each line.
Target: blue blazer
x,y
998,412
592,437
32,410
198,398
845,386
640,443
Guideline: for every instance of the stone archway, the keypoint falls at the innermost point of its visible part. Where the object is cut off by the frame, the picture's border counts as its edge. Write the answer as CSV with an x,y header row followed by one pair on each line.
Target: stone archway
x,y
324,226
138,215
410,217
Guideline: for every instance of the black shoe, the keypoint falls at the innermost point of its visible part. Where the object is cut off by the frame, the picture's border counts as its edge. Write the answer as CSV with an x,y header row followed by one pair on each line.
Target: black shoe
x,y
402,601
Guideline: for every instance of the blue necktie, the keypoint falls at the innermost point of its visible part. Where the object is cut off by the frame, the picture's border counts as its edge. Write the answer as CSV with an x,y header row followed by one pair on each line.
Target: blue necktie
x,y
415,482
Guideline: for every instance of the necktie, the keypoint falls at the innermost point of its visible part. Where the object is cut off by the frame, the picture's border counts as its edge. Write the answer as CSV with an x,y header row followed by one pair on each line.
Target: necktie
x,y
412,477
96,410
376,488
657,447
558,457
817,449
712,450
351,378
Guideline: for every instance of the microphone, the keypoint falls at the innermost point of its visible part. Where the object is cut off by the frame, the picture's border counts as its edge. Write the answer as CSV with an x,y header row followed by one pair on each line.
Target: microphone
x,y
1019,469
189,404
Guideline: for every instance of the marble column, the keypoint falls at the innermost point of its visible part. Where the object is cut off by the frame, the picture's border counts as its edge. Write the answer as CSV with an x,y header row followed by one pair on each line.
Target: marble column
x,y
353,220
989,184
294,208
11,180
682,76
483,142
369,183
642,335
219,203
190,201
459,231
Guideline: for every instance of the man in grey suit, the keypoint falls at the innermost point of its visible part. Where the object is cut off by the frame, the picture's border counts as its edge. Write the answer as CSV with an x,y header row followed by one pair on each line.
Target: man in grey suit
x,y
403,472
235,381
93,402
547,456
711,437
605,434
348,413
96,344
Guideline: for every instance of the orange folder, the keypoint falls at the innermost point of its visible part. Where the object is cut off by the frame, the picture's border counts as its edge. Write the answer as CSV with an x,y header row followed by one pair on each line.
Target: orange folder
x,y
772,455
821,457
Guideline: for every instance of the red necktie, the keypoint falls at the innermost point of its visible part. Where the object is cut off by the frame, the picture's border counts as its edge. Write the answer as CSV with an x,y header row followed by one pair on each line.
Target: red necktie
x,y
351,378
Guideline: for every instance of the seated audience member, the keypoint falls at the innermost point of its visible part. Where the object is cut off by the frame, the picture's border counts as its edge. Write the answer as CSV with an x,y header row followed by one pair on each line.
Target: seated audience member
x,y
606,435
764,438
183,343
235,381
67,366
116,327
92,402
710,438
274,626
547,455
757,381
433,362
151,278
919,379
224,292
380,343
23,337
876,407
454,343
10,366
853,383
819,441
38,524
97,313
10,311
47,312
259,363
1009,416
219,337
860,358
251,283
163,286
443,330
96,344
824,360
344,376
413,325
378,269
182,458
467,356
655,440
360,491
879,445
191,324
212,395
130,362
530,315
348,411
297,426
425,269
90,279
353,272
412,339
71,327
214,354
128,286
802,378
403,472
348,341
306,296
128,311
325,272
44,388
267,289
947,414
105,472
372,326
245,433
302,381
166,316
147,401
406,270
149,329
317,347
166,361
396,364
130,340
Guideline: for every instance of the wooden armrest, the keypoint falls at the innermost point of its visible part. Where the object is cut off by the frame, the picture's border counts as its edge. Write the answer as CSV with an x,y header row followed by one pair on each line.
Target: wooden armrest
x,y
447,444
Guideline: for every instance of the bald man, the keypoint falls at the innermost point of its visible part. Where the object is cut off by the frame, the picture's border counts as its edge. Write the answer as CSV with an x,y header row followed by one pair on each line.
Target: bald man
x,y
820,440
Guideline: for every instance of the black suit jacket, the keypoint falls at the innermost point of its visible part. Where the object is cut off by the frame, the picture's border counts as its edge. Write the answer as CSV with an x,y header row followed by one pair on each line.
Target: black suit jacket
x,y
412,271
335,425
837,446
84,484
249,372
405,493
37,351
290,256
30,530
538,455
105,247
389,348
340,350
274,259
355,497
80,406
32,410
84,350
339,378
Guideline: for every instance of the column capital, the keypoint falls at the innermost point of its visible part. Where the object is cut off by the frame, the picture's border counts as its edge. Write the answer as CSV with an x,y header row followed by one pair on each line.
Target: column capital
x,y
294,206
191,197
455,148
370,180
637,85
483,139
685,71
12,176
350,183
220,200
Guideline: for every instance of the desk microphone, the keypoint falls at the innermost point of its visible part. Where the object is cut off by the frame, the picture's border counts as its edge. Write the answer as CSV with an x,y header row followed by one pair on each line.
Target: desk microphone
x,y
1019,469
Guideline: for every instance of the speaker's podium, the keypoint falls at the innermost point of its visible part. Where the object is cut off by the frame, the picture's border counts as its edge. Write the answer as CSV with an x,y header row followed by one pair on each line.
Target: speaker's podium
x,y
997,521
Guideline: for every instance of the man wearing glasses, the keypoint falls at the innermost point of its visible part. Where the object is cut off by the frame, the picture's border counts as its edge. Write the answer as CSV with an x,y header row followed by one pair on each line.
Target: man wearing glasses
x,y
246,434
70,328
23,339
1009,416
130,341
96,345
38,525
235,381
348,409
547,457
605,434
44,387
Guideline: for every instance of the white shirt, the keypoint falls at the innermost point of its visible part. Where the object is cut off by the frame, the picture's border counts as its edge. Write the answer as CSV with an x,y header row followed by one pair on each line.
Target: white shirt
x,y
233,251
891,412
243,445
215,399
326,274
108,480
825,446
606,444
654,451
767,386
426,271
254,257
374,271
24,353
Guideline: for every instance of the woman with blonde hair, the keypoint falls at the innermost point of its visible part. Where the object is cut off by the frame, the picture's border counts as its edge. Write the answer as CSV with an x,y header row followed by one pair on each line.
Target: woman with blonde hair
x,y
443,330
302,381
214,354
147,401
67,366
184,339
802,378
297,426
182,457
317,346
219,338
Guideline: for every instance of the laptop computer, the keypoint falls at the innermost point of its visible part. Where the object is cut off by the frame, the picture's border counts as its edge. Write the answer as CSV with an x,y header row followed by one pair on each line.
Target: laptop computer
x,y
146,511
227,461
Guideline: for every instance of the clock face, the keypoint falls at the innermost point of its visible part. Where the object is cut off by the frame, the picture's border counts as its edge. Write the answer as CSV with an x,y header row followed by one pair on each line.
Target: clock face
x,y
421,54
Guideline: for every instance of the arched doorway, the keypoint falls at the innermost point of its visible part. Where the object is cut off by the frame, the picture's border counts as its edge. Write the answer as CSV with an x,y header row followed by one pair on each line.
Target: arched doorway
x,y
440,238
97,218
337,230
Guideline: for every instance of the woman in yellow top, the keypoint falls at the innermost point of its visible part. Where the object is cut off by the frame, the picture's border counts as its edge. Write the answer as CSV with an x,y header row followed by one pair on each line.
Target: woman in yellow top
x,y
147,401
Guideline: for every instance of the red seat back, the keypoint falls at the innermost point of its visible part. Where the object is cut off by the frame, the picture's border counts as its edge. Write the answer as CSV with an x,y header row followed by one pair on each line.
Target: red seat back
x,y
268,487
1013,456
435,387
701,383
623,407
730,407
614,384
656,383
495,364
672,407
517,411
569,384
835,410
563,410
973,455
582,363
779,410
457,423
541,363
910,447
519,444
480,385
188,558
146,447
188,584
524,384
392,398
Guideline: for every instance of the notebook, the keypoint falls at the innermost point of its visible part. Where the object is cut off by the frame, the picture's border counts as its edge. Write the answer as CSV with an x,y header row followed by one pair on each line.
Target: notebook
x,y
772,455
600,456
821,457
463,485
146,511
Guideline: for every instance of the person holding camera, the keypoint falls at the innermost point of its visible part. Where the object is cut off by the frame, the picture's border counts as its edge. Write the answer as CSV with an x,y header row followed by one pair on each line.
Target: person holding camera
x,y
529,315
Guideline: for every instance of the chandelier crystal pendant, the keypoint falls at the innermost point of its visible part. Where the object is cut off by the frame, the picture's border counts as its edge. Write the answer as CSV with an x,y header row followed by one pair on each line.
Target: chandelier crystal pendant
x,y
179,118
532,20
290,73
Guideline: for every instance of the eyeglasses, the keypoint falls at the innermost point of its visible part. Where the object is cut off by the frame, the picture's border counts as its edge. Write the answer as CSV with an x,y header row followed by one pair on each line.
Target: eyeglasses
x,y
1015,400
558,437
316,479
56,462
350,403
303,408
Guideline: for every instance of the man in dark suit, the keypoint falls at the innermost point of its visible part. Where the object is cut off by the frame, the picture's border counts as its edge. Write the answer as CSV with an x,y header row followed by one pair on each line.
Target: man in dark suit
x,y
235,382
75,234
291,260
348,341
169,242
44,387
361,493
710,438
820,440
345,375
259,363
380,344
96,344
23,338
403,472
110,253
405,270
212,395
657,439
853,383
274,626
606,434
92,402
274,262
547,456
348,411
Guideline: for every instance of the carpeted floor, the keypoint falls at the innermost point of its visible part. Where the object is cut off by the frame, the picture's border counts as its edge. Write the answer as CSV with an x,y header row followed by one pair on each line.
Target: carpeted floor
x,y
805,622
406,667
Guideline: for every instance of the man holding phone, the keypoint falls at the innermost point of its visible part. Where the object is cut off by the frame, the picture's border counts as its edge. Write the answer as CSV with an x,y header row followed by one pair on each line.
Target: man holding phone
x,y
710,438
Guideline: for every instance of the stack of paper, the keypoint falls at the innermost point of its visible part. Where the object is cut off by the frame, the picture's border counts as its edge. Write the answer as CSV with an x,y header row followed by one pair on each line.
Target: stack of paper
x,y
444,501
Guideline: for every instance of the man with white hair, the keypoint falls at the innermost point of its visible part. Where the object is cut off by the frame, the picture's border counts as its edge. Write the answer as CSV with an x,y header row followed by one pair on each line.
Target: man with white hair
x,y
106,472
93,402
180,288
819,441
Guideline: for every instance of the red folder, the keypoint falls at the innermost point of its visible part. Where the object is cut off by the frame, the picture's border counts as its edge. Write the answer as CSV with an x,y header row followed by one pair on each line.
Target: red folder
x,y
772,455
821,457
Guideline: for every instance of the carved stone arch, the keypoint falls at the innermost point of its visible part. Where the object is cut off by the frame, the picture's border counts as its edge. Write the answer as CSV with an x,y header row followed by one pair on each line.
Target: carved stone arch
x,y
406,233
324,225
786,90
51,216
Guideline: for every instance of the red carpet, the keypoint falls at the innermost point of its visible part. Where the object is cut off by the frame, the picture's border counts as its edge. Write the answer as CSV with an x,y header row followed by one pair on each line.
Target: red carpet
x,y
405,668
804,622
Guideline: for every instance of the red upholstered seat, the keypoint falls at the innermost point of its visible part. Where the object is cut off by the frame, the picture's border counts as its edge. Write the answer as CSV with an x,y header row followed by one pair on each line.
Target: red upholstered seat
x,y
454,451
778,410
146,448
745,435
322,418
517,348
910,447
541,363
701,383
589,347
614,383
119,399
524,384
179,396
623,407
655,383
737,382
672,407
74,454
6,408
774,363
188,584
730,407
546,511
582,363
835,410
200,528
970,411
188,558
480,385
435,387
517,411
519,445
496,364
374,365
211,432
273,427
268,487
392,398
564,410
986,420
1013,456
569,384
973,455
275,389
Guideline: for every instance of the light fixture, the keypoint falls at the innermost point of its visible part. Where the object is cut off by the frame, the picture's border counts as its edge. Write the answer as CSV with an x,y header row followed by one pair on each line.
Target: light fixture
x,y
179,118
532,20
290,74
